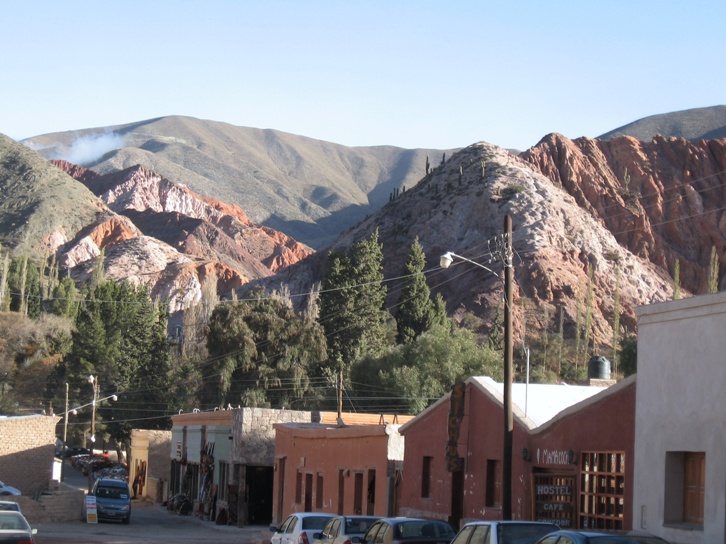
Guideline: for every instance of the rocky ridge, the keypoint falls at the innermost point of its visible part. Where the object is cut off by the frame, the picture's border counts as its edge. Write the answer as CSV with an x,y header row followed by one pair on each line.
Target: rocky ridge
x,y
460,206
166,236
663,200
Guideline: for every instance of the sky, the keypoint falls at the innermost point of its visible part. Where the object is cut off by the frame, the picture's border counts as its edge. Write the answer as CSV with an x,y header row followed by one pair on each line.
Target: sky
x,y
409,73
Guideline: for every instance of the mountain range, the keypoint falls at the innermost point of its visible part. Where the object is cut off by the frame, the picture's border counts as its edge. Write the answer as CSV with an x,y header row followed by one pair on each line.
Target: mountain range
x,y
592,217
309,189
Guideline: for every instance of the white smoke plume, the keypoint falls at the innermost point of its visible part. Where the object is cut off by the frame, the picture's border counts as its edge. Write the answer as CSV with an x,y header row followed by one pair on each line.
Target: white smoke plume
x,y
87,149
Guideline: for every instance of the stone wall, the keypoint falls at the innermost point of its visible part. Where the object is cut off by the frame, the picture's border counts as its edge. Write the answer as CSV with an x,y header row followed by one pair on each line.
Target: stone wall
x,y
253,431
27,447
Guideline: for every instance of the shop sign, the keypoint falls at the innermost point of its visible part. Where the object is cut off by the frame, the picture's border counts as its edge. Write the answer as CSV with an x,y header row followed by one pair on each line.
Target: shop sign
x,y
91,512
554,499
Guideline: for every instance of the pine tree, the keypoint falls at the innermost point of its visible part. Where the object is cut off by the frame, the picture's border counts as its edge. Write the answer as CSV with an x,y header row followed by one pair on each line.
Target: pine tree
x,y
352,306
64,298
415,313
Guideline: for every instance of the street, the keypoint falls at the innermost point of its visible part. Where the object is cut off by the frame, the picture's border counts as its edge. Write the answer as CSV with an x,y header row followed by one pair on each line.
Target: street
x,y
150,523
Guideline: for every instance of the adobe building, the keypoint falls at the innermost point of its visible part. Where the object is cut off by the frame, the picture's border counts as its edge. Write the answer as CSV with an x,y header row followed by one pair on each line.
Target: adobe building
x,y
149,464
27,450
570,446
223,460
351,467
680,420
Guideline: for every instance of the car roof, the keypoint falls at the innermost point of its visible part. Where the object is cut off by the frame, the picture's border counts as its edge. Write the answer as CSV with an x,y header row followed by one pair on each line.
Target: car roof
x,y
591,532
509,521
113,482
13,513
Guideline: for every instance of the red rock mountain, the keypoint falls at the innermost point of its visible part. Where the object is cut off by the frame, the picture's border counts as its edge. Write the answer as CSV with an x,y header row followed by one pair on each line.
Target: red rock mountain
x,y
611,215
663,200
170,238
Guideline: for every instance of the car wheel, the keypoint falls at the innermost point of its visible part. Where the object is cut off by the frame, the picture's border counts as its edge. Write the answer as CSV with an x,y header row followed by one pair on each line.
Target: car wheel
x,y
127,519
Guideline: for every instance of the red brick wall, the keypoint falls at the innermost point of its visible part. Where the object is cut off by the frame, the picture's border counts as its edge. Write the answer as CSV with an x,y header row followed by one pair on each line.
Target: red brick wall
x,y
27,446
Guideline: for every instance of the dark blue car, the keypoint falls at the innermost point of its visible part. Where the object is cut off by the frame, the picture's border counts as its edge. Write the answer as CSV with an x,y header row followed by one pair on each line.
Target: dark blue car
x,y
597,537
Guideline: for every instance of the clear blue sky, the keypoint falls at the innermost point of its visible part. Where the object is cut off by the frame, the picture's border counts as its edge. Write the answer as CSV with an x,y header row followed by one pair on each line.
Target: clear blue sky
x,y
410,73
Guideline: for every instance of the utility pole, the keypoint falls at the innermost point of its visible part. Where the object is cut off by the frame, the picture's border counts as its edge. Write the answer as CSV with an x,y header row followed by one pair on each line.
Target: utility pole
x,y
65,437
508,357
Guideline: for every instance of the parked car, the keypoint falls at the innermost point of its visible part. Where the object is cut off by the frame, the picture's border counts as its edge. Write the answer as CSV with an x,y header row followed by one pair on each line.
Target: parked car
x,y
71,452
503,532
9,490
598,537
113,500
409,531
14,528
345,529
10,505
300,528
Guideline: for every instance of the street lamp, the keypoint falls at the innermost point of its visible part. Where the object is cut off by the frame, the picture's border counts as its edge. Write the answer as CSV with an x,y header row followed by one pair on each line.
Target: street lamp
x,y
445,262
93,380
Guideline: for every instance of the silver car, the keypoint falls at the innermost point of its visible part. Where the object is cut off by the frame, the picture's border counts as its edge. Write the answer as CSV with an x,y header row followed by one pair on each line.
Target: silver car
x,y
300,528
345,529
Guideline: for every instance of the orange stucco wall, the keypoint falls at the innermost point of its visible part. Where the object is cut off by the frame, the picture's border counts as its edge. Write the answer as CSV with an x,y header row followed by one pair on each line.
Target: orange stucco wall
x,y
327,452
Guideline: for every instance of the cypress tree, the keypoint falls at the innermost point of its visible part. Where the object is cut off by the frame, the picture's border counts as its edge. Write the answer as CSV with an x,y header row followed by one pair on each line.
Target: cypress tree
x,y
415,309
352,306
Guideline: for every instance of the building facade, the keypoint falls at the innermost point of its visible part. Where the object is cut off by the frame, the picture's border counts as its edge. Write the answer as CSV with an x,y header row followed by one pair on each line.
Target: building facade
x,y
680,468
27,449
223,460
350,468
567,440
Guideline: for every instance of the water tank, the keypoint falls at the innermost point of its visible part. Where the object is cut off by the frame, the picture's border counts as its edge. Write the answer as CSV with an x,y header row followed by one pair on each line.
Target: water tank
x,y
598,368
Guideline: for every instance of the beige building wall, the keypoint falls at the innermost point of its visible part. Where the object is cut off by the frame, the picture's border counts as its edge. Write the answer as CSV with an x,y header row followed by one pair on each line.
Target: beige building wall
x,y
27,447
150,461
680,408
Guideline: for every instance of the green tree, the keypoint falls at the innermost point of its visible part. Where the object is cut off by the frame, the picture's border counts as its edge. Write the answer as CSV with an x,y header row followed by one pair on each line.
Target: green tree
x,y
416,311
120,338
24,287
411,376
64,299
629,355
261,354
352,306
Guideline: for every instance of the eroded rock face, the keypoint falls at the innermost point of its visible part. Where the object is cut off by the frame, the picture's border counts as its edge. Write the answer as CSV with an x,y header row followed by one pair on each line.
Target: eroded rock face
x,y
562,249
662,200
170,238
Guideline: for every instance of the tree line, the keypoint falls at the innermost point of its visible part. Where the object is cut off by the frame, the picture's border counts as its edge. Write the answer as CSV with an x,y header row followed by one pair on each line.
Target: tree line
x,y
345,350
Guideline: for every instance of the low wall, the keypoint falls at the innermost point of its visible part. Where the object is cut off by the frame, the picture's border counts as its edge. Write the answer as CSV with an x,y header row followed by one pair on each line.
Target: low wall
x,y
63,504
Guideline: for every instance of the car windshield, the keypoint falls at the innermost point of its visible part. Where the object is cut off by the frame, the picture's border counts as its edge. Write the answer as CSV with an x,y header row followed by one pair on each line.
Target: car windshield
x,y
112,492
13,523
314,522
422,529
358,526
514,532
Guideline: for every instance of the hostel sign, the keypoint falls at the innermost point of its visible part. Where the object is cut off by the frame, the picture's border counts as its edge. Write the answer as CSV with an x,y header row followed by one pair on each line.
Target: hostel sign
x,y
554,499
